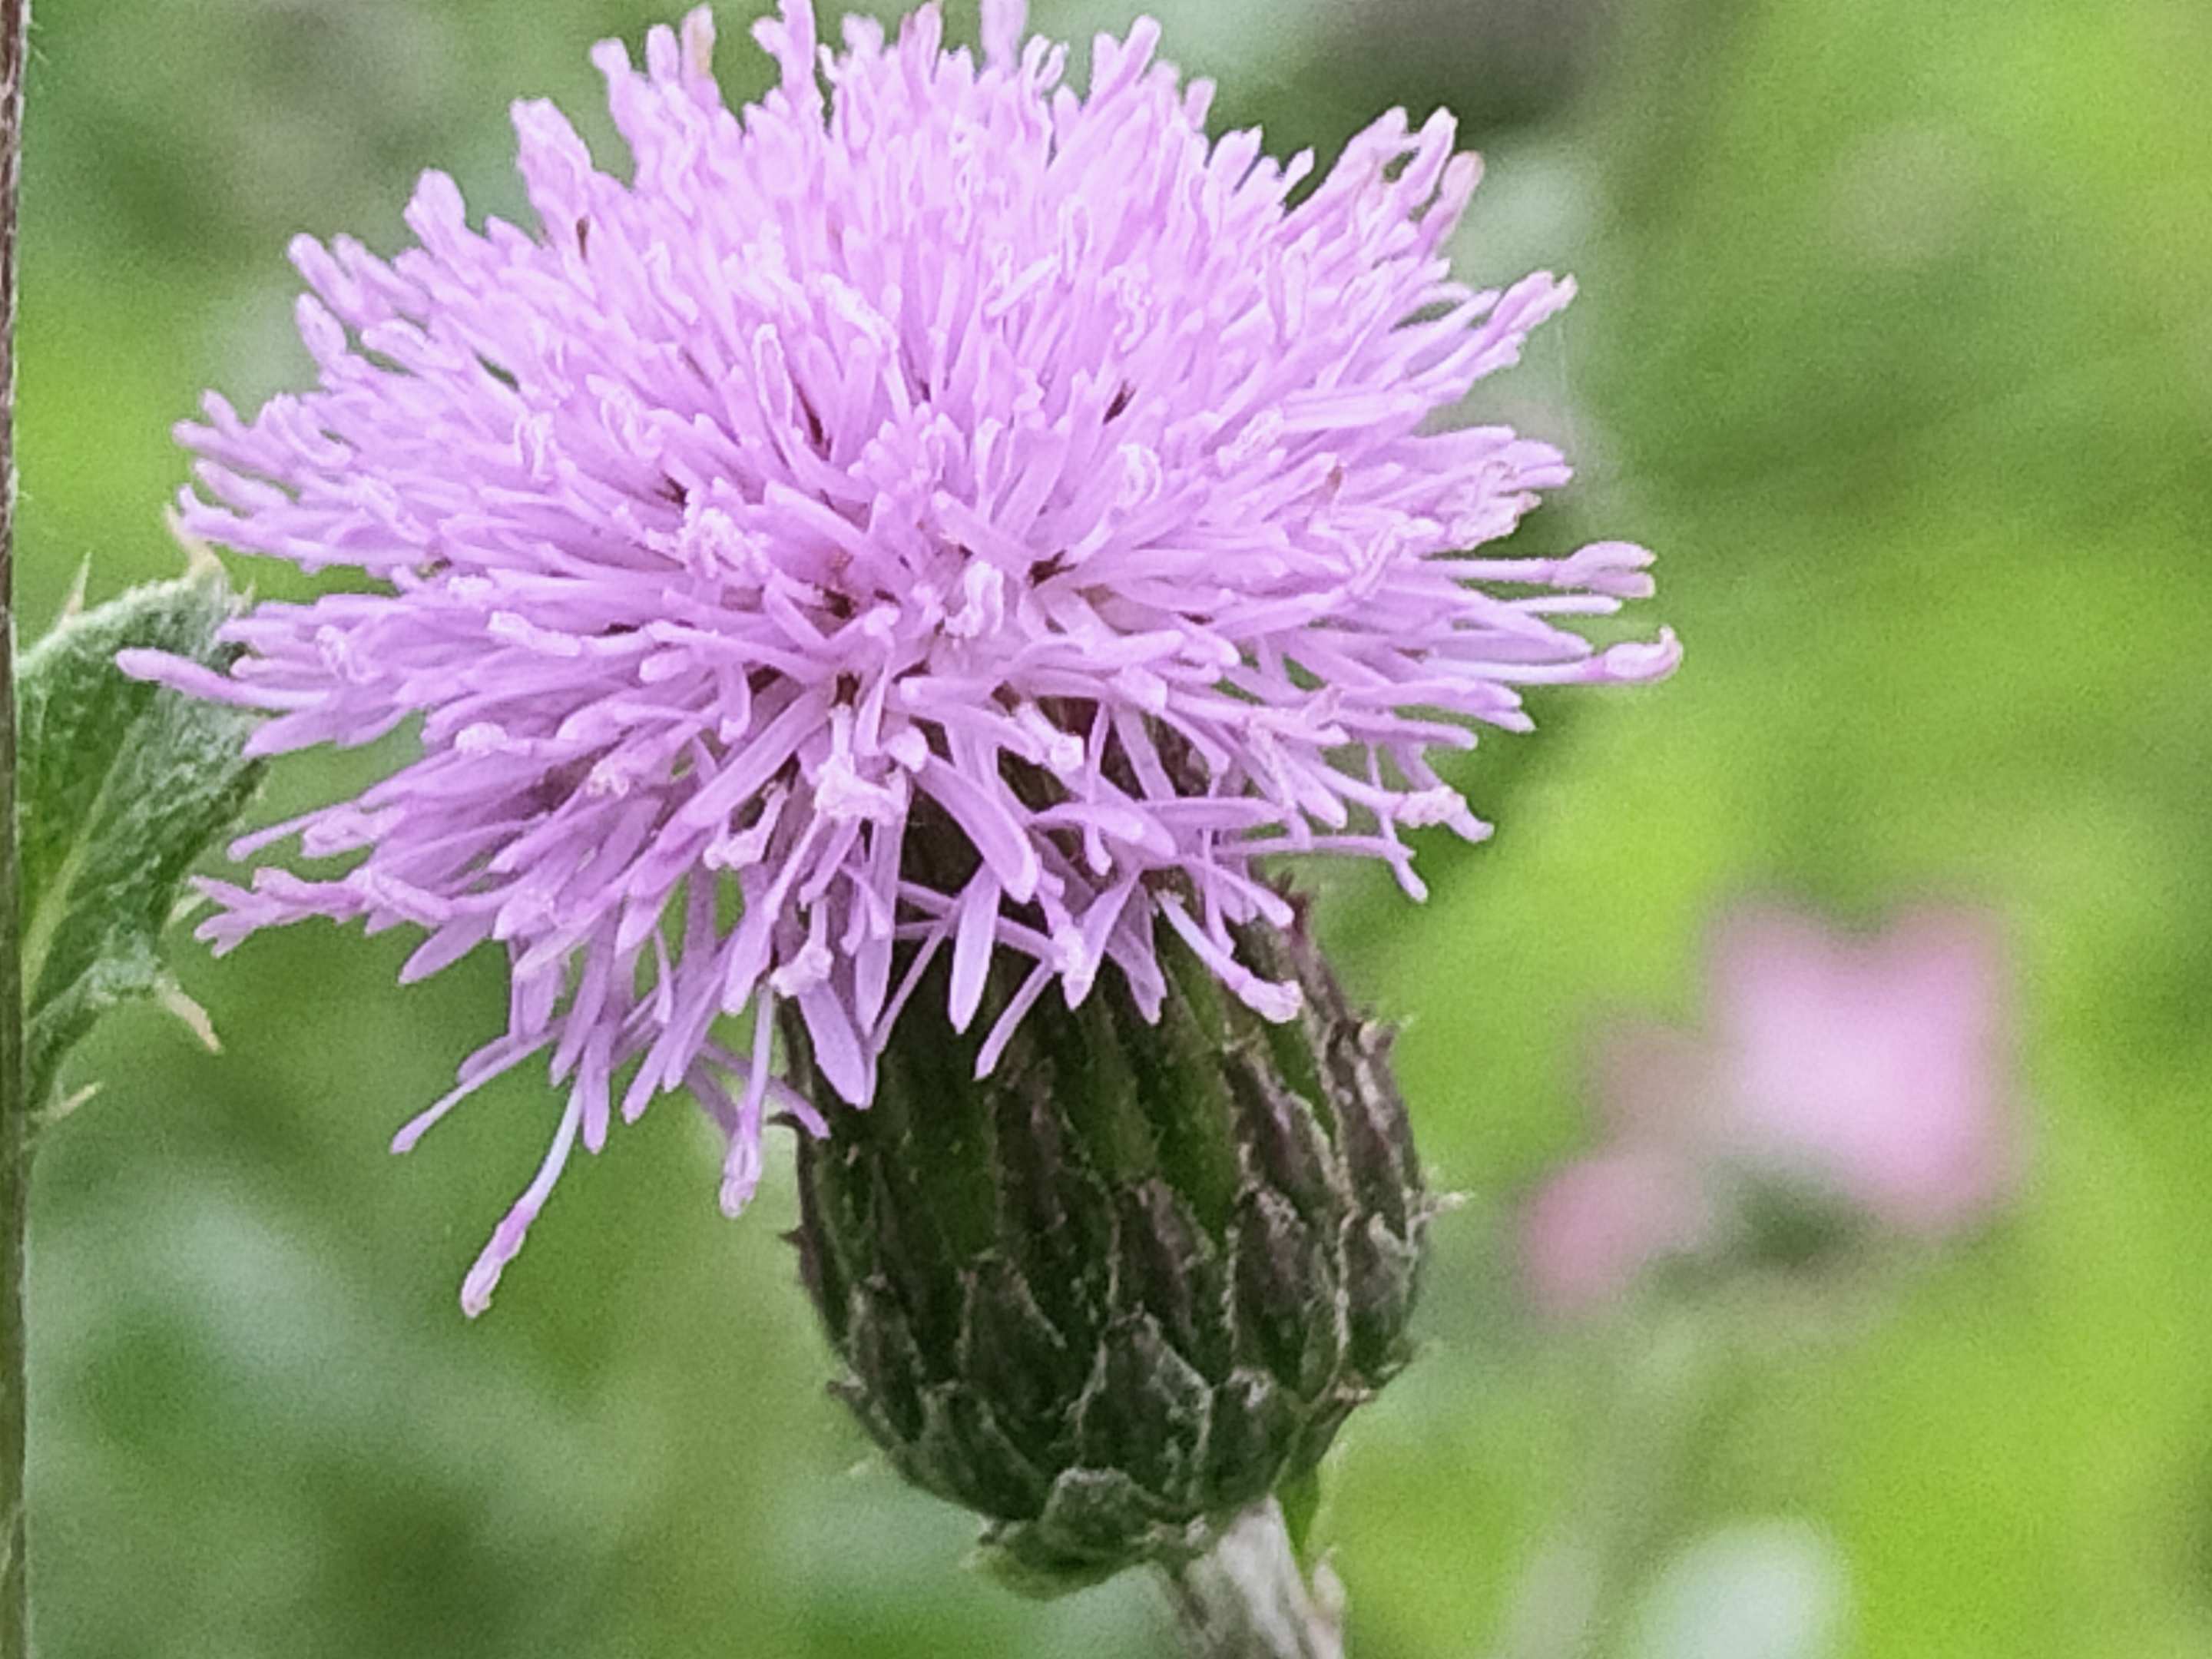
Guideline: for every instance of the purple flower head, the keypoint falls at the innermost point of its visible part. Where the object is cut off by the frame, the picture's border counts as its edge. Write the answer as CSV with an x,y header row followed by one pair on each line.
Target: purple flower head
x,y
926,458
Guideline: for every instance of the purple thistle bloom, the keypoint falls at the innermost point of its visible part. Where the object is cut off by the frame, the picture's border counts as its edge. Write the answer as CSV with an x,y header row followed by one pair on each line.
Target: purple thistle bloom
x,y
953,458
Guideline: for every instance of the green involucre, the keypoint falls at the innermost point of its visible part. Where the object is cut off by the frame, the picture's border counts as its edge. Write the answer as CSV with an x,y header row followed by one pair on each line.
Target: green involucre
x,y
1133,1280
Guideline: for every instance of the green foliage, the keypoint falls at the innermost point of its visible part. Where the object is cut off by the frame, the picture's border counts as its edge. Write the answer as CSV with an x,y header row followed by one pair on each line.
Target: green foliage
x,y
122,786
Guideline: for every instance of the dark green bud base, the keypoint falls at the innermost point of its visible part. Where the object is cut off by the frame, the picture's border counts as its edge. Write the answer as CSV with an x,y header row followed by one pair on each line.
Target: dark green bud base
x,y
1134,1280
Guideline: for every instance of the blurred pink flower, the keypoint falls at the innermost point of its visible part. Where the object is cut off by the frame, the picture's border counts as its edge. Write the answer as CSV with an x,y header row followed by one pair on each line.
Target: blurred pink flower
x,y
1602,1220
1876,1071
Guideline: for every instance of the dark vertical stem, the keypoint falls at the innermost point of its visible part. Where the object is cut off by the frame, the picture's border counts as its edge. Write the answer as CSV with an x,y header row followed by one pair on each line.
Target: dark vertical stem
x,y
15,1108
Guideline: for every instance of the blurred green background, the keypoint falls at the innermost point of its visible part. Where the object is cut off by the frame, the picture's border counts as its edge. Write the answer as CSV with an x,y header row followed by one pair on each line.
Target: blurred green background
x,y
1895,340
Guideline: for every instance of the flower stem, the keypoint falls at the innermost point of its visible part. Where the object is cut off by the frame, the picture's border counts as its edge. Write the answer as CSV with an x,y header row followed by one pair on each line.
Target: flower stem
x,y
1577,1594
1245,1598
14,1107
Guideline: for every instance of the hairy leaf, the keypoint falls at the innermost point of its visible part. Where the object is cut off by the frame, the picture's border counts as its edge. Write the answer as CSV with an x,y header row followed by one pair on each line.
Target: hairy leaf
x,y
122,786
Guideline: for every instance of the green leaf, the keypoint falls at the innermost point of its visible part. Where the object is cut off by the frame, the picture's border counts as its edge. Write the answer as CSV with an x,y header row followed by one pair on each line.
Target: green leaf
x,y
122,786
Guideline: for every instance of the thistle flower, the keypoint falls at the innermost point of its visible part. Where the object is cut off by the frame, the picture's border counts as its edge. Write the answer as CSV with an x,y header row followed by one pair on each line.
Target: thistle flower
x,y
950,458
